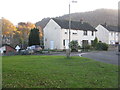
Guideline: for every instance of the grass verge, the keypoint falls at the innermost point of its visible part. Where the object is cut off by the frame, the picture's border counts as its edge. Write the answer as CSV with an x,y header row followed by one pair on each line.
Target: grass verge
x,y
57,72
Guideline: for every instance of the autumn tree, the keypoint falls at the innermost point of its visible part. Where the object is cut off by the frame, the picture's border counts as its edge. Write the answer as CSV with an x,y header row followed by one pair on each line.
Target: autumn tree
x,y
41,36
7,27
24,30
8,31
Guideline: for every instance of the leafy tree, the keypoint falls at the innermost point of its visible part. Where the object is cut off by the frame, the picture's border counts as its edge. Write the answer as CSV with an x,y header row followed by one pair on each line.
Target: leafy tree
x,y
8,28
41,36
34,38
24,31
74,46
8,32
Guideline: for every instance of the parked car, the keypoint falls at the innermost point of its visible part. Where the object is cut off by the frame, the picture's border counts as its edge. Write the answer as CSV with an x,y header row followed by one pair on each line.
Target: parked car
x,y
34,47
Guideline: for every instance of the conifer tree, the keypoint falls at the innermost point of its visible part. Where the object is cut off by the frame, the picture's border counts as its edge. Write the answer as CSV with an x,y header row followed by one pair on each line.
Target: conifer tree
x,y
34,38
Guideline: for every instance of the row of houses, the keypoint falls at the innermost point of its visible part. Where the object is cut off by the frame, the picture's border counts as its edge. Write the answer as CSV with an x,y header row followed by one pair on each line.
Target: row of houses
x,y
56,33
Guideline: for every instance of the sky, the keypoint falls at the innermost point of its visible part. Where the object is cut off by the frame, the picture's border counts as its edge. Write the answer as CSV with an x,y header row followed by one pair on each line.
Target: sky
x,y
34,10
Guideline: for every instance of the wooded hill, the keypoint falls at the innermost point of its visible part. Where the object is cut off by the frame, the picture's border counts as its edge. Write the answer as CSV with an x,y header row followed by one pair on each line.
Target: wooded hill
x,y
96,17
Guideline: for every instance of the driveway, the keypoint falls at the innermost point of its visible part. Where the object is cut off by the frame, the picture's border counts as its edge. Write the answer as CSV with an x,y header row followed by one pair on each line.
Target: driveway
x,y
103,56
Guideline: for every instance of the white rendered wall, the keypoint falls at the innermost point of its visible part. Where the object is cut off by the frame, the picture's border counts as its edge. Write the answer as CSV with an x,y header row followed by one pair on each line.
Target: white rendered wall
x,y
52,33
102,34
79,36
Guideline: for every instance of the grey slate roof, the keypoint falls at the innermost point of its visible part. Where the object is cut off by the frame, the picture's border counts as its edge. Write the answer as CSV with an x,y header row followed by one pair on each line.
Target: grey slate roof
x,y
74,25
111,28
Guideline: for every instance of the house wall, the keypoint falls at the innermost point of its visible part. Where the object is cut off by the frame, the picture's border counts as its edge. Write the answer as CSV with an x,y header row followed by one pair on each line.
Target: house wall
x,y
52,33
109,37
9,49
79,36
102,34
113,37
119,37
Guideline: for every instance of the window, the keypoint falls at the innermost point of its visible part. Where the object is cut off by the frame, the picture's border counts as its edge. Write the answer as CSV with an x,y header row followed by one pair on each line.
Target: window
x,y
92,33
63,42
65,32
92,42
111,33
74,33
84,32
116,34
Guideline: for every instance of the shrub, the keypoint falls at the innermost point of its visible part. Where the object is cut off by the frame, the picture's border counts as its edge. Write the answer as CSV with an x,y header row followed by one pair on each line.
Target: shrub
x,y
86,46
95,42
11,53
102,46
74,46
79,47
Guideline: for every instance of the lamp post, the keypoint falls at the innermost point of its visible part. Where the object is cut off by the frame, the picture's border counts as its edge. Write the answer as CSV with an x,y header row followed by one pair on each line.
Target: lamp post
x,y
68,55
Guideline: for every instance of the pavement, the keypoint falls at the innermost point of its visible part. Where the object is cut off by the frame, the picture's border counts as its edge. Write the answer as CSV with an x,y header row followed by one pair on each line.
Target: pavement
x,y
103,56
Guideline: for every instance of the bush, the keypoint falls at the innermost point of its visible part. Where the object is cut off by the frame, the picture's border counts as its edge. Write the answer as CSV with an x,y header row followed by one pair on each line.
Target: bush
x,y
95,42
86,46
10,53
102,46
74,46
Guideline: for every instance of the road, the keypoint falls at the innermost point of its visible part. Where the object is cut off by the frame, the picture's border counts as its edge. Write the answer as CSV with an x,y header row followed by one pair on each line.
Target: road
x,y
103,56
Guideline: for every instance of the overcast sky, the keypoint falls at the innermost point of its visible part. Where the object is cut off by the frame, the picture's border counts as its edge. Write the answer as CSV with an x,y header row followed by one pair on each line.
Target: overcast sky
x,y
35,10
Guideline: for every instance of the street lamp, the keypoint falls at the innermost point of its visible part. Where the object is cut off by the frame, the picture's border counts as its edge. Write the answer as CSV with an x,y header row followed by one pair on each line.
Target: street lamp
x,y
70,27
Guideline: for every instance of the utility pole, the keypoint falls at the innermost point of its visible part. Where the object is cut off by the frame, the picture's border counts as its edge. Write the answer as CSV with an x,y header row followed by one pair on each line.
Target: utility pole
x,y
68,51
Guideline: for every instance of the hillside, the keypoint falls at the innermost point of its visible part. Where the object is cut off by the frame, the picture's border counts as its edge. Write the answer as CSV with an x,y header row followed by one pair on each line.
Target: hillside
x,y
95,17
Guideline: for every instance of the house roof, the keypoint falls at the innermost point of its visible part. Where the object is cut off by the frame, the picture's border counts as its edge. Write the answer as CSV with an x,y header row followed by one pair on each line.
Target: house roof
x,y
111,28
8,45
74,25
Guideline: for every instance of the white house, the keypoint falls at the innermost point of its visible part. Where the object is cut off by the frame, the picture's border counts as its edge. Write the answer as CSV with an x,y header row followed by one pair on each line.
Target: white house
x,y
108,34
56,33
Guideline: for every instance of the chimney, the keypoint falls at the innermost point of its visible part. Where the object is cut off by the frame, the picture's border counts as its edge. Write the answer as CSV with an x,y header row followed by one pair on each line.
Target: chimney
x,y
105,24
81,21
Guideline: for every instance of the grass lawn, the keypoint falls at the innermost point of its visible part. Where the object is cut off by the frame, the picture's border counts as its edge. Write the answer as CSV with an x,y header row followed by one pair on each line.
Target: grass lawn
x,y
57,72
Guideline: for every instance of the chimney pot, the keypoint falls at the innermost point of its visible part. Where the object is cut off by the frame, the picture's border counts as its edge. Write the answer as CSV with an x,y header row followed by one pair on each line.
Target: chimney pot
x,y
81,21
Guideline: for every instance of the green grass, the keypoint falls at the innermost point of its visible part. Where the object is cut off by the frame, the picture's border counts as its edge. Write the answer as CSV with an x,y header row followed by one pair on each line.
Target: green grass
x,y
57,72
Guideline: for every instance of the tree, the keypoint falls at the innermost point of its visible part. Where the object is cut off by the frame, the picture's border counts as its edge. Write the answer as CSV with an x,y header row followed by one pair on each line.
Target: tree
x,y
8,28
8,31
24,31
34,38
41,36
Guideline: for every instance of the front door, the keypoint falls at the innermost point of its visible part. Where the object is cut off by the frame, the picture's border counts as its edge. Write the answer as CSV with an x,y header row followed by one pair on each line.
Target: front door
x,y
51,44
66,43
84,43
